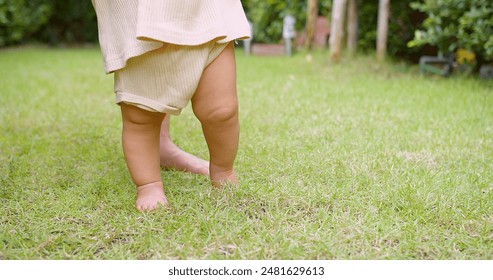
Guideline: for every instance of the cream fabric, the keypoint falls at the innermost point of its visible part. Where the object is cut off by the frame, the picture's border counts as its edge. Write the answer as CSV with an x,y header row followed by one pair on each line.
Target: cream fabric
x,y
129,28
164,80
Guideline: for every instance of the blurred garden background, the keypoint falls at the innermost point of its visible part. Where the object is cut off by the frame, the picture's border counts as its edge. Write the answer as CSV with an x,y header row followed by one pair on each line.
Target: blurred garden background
x,y
400,29
373,139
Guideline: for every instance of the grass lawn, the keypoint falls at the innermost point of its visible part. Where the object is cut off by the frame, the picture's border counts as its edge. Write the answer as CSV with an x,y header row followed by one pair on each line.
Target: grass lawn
x,y
350,161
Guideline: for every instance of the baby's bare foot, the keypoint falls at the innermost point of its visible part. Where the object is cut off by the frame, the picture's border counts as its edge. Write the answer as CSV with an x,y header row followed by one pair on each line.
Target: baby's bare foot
x,y
173,157
150,197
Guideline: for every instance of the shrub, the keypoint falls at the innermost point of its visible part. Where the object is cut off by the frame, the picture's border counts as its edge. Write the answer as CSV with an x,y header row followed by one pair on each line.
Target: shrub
x,y
72,21
402,23
19,19
454,24
268,16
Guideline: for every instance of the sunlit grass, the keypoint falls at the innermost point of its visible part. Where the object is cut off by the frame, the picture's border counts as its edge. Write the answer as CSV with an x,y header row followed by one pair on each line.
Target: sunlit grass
x,y
349,161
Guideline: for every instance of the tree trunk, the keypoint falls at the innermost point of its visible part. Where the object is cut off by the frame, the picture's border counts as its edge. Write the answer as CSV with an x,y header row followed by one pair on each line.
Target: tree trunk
x,y
383,27
336,29
352,26
311,20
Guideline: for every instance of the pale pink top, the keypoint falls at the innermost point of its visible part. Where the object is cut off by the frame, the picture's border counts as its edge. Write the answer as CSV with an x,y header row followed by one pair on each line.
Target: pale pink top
x,y
129,28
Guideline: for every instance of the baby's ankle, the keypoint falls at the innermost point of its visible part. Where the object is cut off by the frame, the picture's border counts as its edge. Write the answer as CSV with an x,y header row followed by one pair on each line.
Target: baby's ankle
x,y
222,178
150,196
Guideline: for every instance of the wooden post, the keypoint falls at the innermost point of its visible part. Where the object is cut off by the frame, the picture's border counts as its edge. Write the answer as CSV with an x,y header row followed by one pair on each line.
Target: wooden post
x,y
311,21
352,26
336,29
383,27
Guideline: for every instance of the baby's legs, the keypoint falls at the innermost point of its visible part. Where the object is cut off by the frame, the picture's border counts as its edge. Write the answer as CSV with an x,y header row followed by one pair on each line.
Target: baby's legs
x,y
140,137
173,157
215,104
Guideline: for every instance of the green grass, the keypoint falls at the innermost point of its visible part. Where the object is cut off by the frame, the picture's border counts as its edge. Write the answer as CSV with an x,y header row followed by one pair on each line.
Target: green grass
x,y
349,161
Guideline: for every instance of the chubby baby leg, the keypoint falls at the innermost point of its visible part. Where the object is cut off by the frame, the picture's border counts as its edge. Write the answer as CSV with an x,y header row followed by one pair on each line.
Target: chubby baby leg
x,y
215,104
140,138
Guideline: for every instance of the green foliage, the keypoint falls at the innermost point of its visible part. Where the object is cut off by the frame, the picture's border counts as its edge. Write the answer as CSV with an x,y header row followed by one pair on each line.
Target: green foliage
x,y
71,21
453,24
402,23
50,21
20,18
268,15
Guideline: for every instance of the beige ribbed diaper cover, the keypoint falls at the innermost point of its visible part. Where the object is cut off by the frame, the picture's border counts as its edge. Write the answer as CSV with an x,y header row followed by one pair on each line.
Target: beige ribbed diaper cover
x,y
158,49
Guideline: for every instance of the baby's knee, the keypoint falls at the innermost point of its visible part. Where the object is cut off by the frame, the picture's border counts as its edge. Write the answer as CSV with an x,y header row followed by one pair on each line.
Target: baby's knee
x,y
218,115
